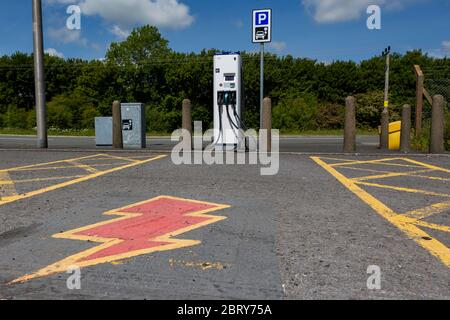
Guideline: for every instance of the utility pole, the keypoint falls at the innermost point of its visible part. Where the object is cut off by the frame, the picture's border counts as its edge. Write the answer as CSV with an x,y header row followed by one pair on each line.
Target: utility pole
x,y
384,139
39,76
261,90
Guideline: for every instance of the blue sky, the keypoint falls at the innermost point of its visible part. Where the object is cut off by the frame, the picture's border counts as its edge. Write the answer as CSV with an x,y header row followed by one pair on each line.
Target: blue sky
x,y
325,30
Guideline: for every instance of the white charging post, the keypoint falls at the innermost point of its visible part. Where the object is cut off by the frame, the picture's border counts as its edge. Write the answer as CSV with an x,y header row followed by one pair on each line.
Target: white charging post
x,y
228,101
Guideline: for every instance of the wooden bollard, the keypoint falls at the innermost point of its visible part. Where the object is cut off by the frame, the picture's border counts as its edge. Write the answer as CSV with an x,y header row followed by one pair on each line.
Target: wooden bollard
x,y
384,137
405,135
267,121
117,125
350,125
437,125
187,116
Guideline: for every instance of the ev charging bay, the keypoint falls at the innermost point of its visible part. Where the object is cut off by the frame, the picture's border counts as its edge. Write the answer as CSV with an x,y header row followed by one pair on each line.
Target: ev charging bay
x,y
276,237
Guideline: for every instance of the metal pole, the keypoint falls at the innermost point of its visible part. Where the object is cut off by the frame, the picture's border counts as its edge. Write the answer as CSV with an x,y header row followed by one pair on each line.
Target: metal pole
x,y
261,92
39,76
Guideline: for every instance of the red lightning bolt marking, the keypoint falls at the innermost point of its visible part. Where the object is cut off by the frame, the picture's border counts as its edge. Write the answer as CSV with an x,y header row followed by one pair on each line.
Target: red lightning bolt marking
x,y
145,227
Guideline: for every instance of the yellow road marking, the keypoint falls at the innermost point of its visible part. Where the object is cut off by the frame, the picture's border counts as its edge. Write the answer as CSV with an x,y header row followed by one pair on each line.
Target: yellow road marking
x,y
169,240
78,180
383,186
122,158
83,166
48,163
68,167
7,188
426,212
433,226
45,179
426,165
408,173
389,175
435,247
377,161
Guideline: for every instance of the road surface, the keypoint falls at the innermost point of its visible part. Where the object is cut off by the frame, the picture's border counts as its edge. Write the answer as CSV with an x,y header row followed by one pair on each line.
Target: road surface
x,y
140,227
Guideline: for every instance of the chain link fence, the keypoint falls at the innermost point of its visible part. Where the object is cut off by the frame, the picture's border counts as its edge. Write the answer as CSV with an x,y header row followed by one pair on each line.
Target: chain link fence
x,y
437,81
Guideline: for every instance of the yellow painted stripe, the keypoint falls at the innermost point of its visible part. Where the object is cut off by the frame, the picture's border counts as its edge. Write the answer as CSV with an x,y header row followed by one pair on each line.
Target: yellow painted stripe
x,y
83,166
122,158
68,167
78,180
384,186
432,226
366,197
429,211
389,175
7,188
426,165
49,163
46,179
408,173
378,161
435,247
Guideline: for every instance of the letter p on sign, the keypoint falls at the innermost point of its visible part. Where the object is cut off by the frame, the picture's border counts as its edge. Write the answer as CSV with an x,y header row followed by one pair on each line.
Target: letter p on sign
x,y
262,18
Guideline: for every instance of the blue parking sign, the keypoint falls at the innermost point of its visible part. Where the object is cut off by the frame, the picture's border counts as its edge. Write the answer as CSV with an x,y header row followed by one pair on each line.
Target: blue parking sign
x,y
262,25
262,18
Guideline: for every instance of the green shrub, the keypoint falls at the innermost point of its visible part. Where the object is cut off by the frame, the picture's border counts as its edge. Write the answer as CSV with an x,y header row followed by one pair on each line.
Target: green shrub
x,y
15,118
161,120
331,116
59,115
87,117
296,112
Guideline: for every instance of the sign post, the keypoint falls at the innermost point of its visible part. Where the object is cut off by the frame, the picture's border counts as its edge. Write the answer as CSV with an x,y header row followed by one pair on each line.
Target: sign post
x,y
262,33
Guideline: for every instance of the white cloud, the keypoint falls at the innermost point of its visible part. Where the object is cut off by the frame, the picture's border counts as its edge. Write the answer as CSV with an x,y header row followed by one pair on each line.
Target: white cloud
x,y
124,14
278,46
54,53
160,13
446,46
64,35
443,51
329,11
117,31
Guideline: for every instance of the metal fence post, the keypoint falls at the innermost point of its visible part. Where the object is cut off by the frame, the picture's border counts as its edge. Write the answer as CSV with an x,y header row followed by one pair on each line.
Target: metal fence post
x,y
350,125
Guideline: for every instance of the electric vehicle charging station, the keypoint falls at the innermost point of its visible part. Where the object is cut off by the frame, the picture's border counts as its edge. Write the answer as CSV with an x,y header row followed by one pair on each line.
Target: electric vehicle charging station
x,y
133,125
228,101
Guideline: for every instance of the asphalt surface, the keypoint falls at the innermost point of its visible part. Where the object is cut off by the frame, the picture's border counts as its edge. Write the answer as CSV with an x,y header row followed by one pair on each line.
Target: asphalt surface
x,y
300,234
326,144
